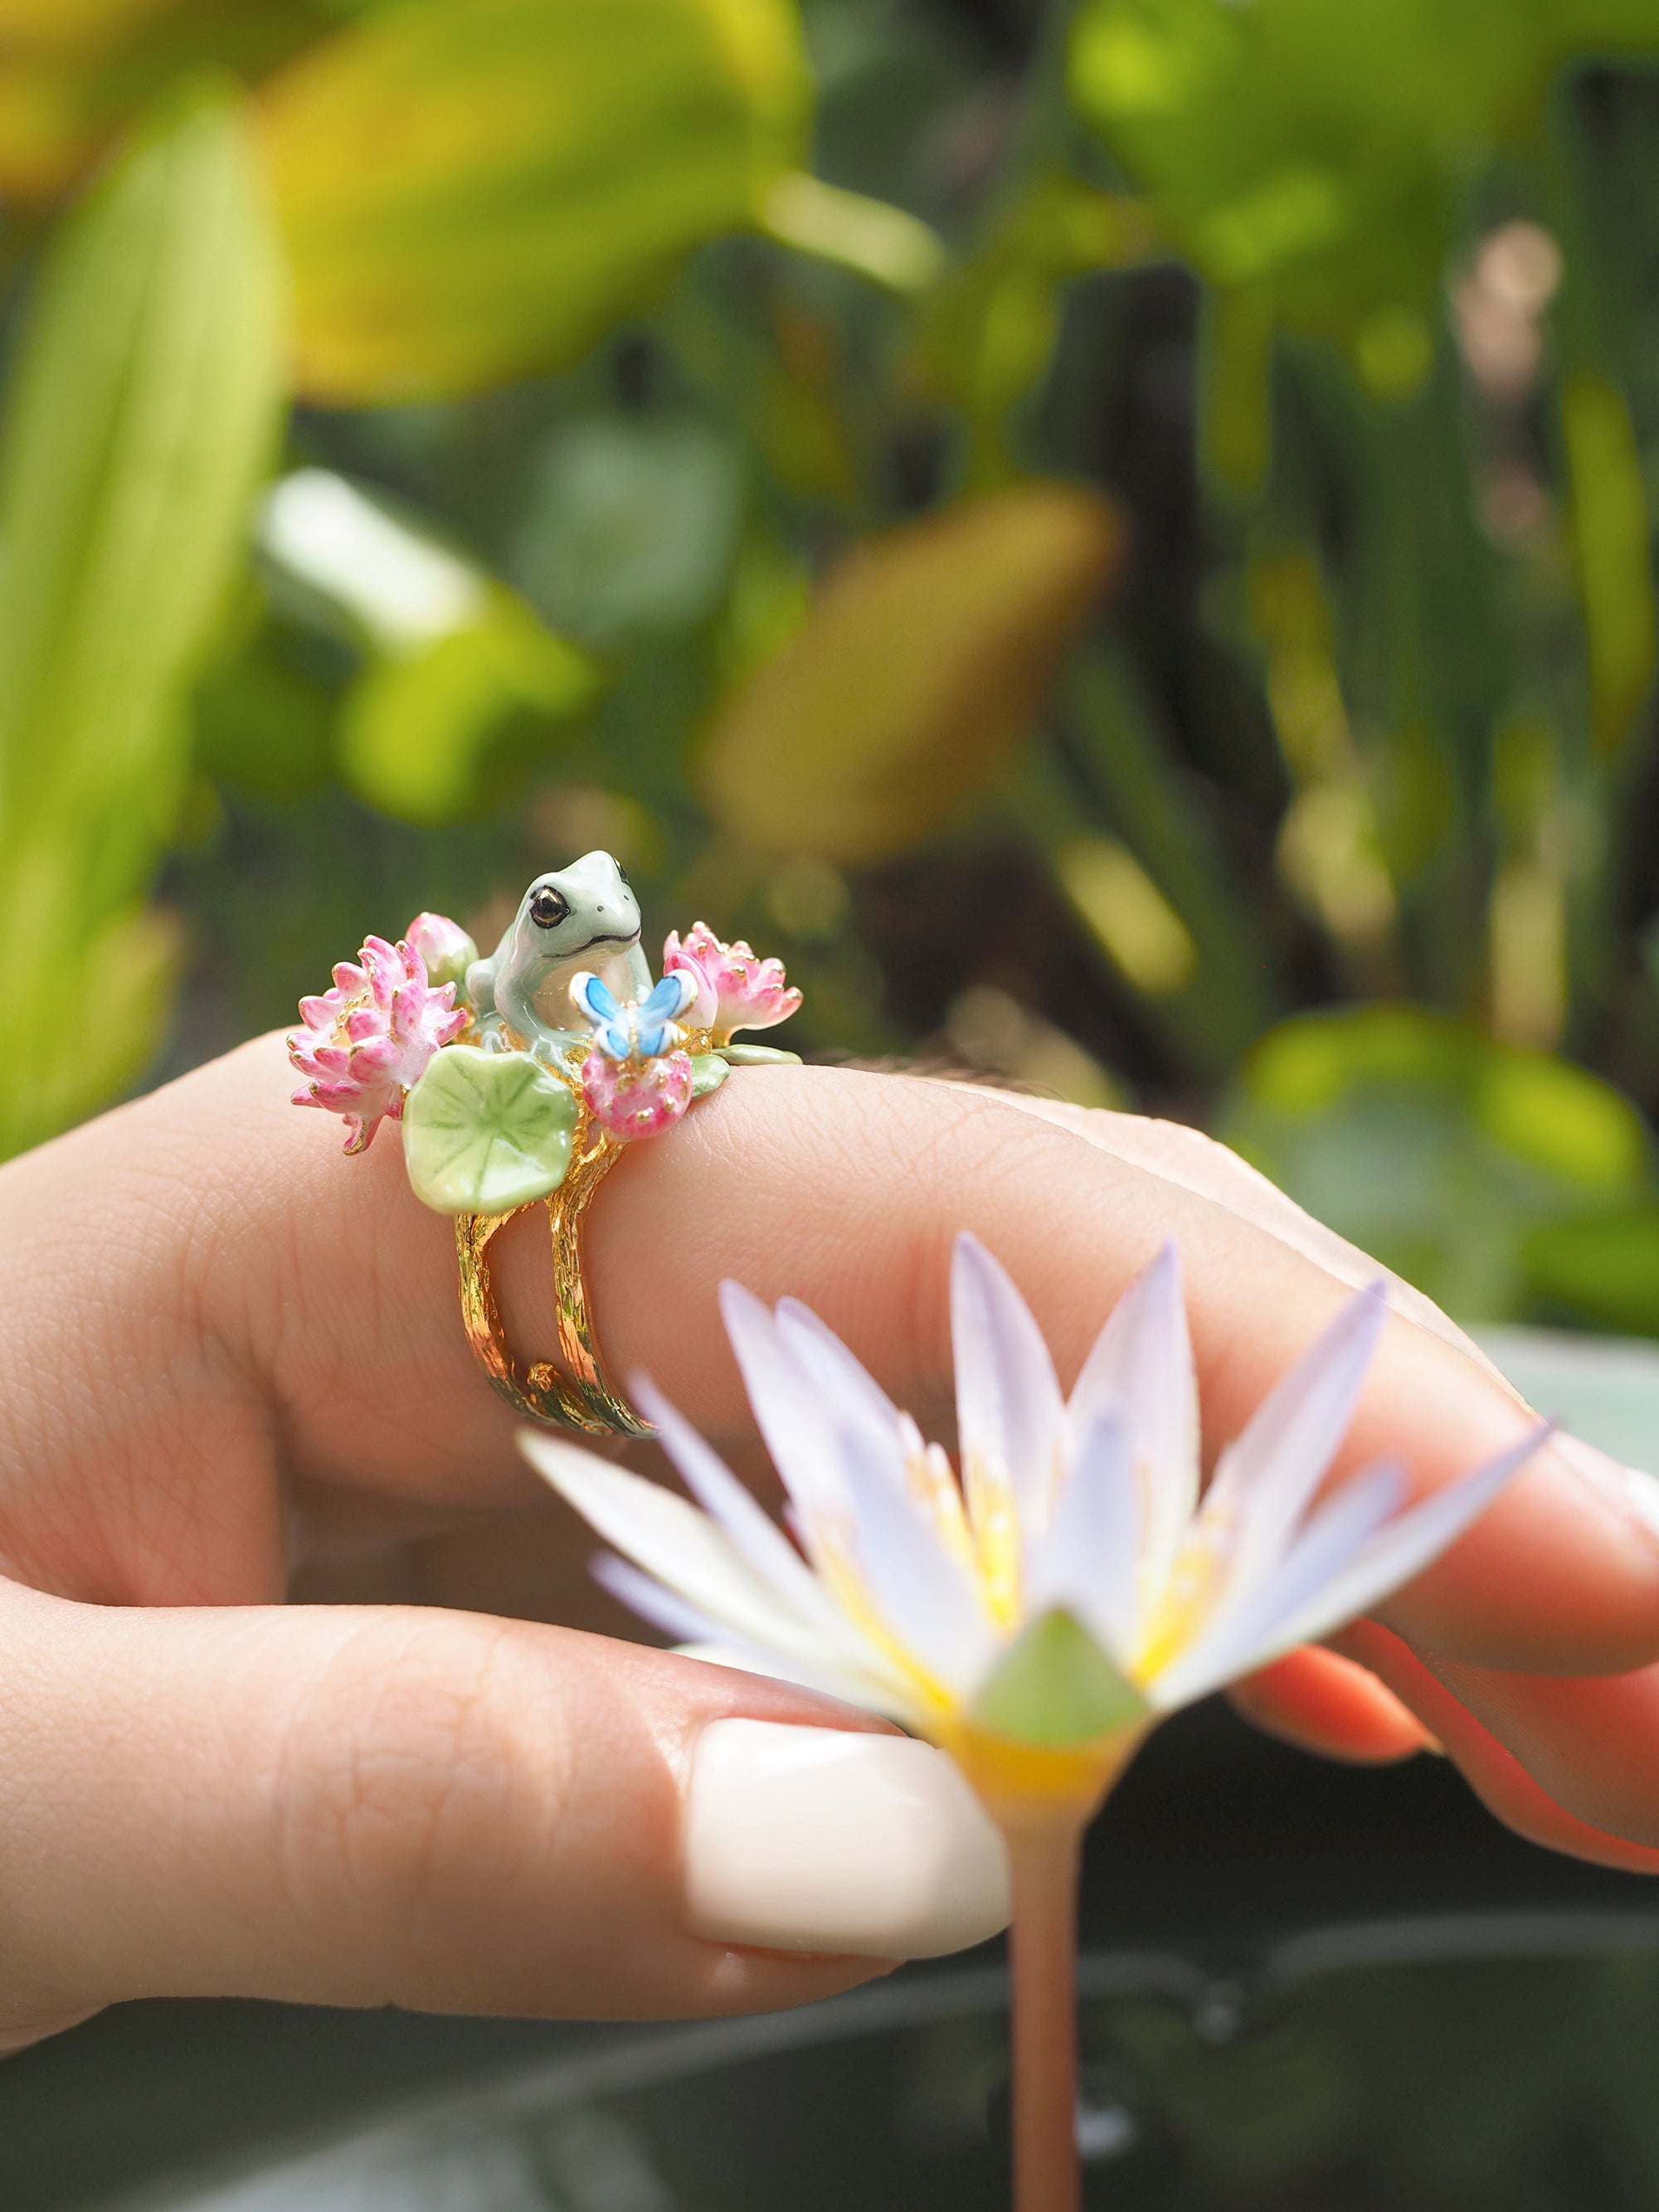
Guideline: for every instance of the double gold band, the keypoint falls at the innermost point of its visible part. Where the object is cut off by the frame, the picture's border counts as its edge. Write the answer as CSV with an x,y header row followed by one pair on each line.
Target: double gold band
x,y
580,1397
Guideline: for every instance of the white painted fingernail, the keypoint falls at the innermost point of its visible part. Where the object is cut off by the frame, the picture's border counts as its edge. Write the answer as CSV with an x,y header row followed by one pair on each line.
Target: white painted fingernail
x,y
819,1839
1625,1487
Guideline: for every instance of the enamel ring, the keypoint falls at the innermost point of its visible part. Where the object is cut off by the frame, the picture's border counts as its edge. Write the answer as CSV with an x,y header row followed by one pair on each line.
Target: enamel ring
x,y
580,1397
521,1079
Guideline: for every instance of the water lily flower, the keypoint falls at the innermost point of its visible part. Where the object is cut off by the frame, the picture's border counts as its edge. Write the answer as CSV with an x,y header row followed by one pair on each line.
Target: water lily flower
x,y
367,1041
637,1076
1035,1614
735,989
446,950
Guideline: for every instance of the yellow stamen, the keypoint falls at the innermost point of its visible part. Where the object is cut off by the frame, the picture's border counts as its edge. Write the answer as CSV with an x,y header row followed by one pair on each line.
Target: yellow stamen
x,y
932,1484
993,1518
1188,1598
838,1570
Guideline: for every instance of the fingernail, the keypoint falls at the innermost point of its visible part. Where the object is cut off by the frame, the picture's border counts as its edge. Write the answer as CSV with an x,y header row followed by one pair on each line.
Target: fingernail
x,y
1627,1488
819,1839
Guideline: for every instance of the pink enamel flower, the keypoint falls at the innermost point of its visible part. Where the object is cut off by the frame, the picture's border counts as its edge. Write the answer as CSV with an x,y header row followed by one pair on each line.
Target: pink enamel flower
x,y
367,1040
736,990
443,945
637,1097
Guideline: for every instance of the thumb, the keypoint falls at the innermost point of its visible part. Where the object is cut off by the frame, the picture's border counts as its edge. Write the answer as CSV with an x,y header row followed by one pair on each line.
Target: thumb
x,y
369,1806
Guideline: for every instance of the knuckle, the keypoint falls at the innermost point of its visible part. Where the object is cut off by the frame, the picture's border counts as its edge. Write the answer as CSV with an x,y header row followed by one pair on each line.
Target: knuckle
x,y
419,1767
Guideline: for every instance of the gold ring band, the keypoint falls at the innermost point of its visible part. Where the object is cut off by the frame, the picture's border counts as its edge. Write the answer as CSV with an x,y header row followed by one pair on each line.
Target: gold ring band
x,y
580,1399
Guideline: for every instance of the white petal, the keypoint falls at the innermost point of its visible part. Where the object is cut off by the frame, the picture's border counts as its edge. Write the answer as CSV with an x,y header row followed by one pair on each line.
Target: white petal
x,y
1143,1359
1087,1563
921,1593
1399,1552
752,1531
1009,1409
644,1595
1266,1477
865,1691
1259,1623
786,1408
688,1552
843,1381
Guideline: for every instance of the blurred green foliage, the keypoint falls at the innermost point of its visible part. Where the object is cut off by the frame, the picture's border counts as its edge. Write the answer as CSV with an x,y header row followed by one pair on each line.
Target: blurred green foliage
x,y
1116,537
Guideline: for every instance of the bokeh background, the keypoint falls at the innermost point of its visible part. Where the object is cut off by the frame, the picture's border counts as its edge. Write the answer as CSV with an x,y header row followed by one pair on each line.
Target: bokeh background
x,y
1115,538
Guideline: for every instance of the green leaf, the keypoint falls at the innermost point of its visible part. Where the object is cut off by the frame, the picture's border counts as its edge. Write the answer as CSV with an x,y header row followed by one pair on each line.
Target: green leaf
x,y
1440,1152
484,1132
140,416
1612,540
633,529
758,1055
708,1071
1324,153
924,661
1055,1684
428,736
475,189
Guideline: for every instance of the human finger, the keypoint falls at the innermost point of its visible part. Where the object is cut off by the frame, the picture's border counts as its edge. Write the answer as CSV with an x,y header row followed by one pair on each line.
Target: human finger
x,y
1323,1703
1505,1782
283,1321
363,1806
1197,1163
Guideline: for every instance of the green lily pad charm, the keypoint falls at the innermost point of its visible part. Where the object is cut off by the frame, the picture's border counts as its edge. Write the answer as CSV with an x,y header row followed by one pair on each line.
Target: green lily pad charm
x,y
708,1071
758,1055
484,1132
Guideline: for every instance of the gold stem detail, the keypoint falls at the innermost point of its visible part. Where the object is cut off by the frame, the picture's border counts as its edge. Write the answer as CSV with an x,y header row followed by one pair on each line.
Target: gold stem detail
x,y
580,1398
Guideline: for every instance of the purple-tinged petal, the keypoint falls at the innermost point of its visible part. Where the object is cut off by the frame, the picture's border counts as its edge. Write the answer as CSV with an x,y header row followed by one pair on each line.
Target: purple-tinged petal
x,y
1087,1563
1396,1555
1255,1625
786,1409
921,1594
671,1540
643,1595
1010,1414
763,1544
1267,1478
846,1387
1142,1362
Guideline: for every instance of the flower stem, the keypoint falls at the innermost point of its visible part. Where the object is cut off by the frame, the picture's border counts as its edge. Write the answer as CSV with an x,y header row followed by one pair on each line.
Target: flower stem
x,y
1044,1863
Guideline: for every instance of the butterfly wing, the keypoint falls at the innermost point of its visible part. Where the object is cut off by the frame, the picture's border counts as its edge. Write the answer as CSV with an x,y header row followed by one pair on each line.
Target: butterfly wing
x,y
596,1002
661,1006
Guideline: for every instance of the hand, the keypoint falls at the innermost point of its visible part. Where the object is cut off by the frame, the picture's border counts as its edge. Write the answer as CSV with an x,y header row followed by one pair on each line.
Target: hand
x,y
224,1344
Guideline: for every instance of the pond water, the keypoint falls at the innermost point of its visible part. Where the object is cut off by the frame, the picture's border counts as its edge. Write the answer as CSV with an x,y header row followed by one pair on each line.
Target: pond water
x,y
1507,2062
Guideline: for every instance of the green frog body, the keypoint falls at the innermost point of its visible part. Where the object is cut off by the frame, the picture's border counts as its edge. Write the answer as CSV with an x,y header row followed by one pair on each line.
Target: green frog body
x,y
582,917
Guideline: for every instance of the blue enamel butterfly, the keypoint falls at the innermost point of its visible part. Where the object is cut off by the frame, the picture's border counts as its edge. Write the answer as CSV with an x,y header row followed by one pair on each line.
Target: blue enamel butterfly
x,y
638,1029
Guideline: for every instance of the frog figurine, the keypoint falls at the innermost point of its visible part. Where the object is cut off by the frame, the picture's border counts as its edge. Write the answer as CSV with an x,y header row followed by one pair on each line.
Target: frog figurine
x,y
584,917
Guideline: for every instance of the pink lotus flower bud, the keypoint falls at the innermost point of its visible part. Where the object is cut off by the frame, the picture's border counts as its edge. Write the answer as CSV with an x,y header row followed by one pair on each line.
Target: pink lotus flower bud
x,y
735,989
443,945
637,1098
367,1041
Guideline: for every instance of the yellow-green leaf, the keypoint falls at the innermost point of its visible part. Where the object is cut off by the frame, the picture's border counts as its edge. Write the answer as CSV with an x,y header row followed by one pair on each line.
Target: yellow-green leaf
x,y
139,417
475,189
926,658
1612,539
421,733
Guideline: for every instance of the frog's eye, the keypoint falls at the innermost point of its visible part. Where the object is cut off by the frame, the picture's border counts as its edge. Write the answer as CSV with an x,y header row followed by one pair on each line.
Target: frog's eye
x,y
621,876
549,908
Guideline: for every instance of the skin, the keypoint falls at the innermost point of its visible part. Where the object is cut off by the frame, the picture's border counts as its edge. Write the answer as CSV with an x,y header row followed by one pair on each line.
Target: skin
x,y
525,984
229,1352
